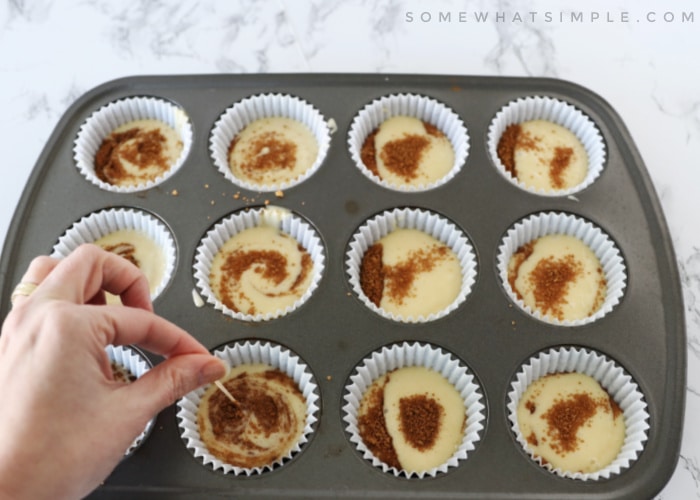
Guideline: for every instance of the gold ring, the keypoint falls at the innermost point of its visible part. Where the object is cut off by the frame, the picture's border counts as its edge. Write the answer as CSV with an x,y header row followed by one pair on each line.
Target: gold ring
x,y
25,288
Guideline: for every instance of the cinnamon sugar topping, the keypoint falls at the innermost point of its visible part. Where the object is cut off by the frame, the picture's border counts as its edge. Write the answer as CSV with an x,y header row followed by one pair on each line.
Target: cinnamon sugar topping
x,y
403,156
421,417
260,270
372,274
372,427
400,277
558,276
262,427
125,250
551,278
543,155
571,422
136,153
368,153
410,274
559,163
266,152
272,151
407,151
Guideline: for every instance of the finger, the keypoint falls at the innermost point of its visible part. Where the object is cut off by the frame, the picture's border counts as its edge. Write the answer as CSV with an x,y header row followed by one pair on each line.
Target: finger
x,y
123,326
170,380
39,268
89,269
99,299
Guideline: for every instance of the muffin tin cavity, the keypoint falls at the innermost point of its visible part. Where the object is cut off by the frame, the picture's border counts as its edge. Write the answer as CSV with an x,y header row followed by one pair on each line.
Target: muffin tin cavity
x,y
397,356
421,107
281,221
107,222
336,340
121,112
242,114
613,378
428,223
552,223
247,353
560,113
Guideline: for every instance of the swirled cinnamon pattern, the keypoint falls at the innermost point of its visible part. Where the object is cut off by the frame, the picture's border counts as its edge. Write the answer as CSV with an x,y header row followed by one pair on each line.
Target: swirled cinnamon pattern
x,y
263,427
137,152
260,270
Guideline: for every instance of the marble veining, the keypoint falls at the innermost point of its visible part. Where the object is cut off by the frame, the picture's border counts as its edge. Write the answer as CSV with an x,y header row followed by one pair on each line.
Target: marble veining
x,y
689,269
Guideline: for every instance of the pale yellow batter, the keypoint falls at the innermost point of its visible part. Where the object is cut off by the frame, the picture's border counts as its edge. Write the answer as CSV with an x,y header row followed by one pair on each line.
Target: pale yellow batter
x,y
409,154
139,152
260,270
272,151
423,415
421,275
418,381
570,421
138,248
549,156
559,276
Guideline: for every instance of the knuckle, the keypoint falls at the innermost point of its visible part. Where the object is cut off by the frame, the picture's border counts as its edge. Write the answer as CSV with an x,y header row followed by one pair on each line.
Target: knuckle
x,y
86,250
42,264
175,387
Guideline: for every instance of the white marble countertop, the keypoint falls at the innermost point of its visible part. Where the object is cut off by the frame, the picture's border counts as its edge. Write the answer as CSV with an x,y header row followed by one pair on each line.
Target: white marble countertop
x,y
639,56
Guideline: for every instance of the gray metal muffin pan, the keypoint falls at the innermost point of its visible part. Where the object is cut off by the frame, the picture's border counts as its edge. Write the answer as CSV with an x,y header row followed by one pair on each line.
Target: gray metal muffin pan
x,y
333,331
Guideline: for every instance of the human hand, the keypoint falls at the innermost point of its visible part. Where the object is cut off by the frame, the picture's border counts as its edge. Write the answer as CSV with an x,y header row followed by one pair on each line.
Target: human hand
x,y
65,422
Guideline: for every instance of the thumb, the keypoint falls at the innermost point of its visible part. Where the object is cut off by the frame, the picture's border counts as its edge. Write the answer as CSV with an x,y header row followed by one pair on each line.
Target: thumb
x,y
173,378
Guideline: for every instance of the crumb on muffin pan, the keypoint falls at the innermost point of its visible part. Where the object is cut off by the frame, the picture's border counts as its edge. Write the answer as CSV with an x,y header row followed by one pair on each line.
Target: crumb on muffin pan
x,y
475,208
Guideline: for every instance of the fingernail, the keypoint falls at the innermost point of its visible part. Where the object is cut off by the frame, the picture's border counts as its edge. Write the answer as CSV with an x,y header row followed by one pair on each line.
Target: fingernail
x,y
227,365
212,371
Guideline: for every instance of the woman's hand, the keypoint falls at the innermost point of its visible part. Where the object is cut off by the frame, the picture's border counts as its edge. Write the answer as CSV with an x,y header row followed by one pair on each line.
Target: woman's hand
x,y
65,423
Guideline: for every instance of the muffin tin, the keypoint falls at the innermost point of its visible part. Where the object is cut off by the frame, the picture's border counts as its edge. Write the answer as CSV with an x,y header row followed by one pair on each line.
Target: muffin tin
x,y
333,330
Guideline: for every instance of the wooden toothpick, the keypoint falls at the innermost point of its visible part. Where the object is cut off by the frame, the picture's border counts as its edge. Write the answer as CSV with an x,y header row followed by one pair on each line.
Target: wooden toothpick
x,y
223,389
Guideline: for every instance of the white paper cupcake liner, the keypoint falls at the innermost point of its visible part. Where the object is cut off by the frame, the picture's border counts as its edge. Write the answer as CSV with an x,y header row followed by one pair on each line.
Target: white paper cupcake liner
x,y
561,113
115,114
137,364
238,354
601,244
98,224
424,108
611,377
410,218
403,355
245,112
277,217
